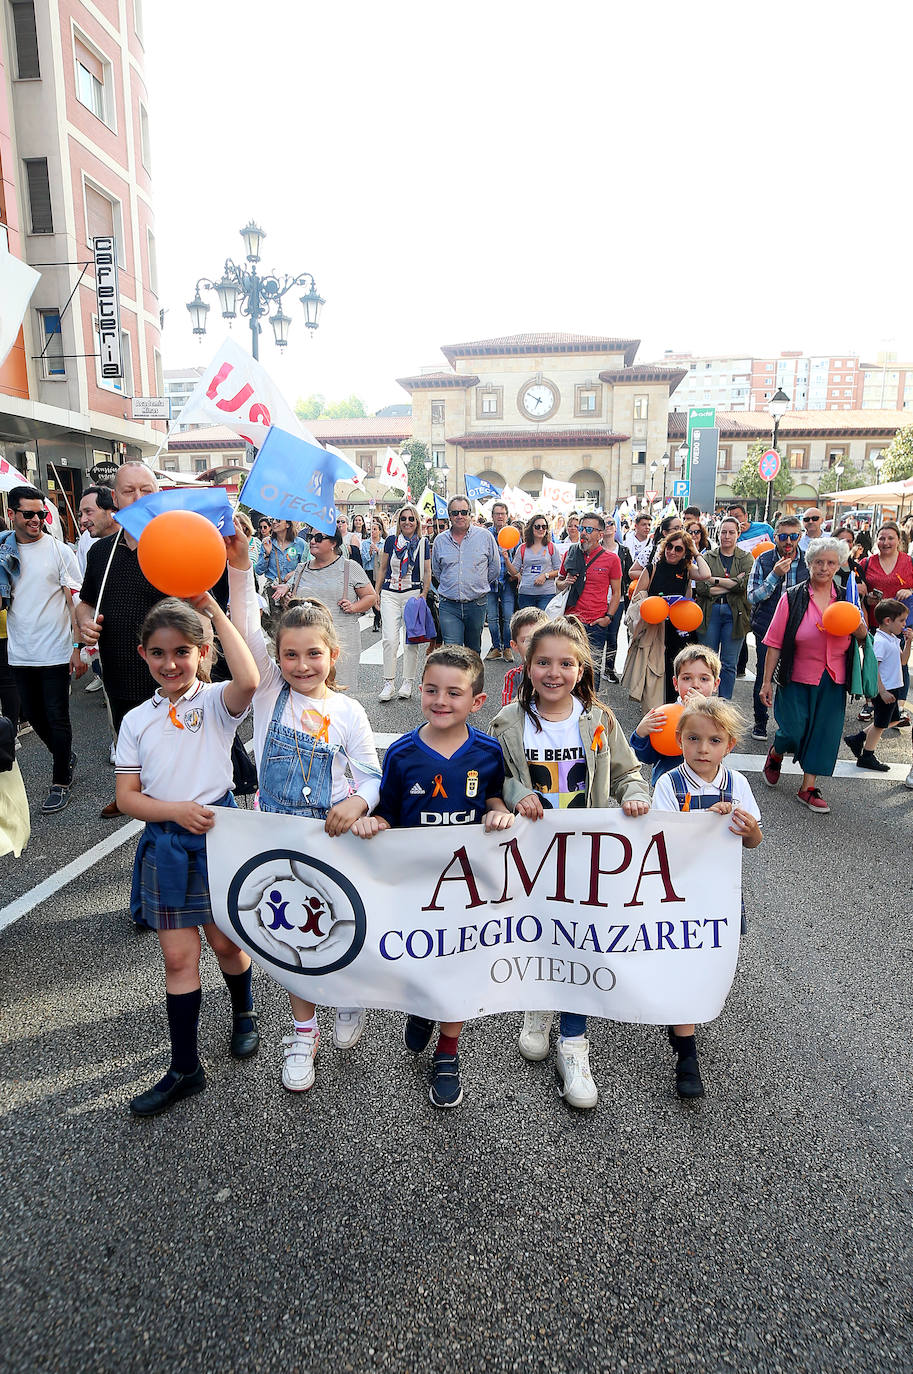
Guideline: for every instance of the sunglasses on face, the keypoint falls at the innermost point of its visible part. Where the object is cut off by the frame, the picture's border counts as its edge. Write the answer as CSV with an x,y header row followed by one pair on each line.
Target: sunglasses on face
x,y
31,514
675,548
459,512
319,538
540,527
407,519
810,519
792,538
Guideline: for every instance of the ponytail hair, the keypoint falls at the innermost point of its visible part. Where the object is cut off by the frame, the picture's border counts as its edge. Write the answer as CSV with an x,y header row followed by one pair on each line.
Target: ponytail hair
x,y
308,614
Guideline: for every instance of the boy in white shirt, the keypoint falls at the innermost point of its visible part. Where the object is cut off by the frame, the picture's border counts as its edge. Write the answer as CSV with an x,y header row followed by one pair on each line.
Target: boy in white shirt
x,y
892,649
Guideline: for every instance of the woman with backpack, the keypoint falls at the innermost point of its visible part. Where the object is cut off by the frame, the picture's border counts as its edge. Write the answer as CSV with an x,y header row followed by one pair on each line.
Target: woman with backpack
x,y
537,562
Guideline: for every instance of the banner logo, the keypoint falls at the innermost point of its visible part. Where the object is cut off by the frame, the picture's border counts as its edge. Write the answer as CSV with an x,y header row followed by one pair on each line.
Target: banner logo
x,y
298,913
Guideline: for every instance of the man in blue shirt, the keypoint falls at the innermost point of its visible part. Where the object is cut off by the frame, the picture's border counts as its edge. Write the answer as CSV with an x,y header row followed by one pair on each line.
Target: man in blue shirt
x,y
465,562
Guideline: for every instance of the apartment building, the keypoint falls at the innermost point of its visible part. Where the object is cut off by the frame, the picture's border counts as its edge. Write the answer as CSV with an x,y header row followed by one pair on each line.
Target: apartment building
x,y
75,164
742,382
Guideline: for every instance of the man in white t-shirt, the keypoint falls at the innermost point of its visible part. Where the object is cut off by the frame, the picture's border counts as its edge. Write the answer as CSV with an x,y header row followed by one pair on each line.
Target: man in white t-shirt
x,y
638,541
41,629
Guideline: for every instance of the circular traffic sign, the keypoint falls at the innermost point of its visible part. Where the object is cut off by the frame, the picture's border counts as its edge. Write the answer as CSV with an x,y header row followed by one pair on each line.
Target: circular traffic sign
x,y
769,464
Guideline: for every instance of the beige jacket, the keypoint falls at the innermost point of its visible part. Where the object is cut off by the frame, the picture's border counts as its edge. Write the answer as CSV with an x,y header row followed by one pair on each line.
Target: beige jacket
x,y
611,768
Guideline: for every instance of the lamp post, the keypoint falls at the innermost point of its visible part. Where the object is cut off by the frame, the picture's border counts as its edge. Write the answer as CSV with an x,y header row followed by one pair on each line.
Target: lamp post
x,y
653,467
665,461
779,405
839,470
444,470
242,290
878,464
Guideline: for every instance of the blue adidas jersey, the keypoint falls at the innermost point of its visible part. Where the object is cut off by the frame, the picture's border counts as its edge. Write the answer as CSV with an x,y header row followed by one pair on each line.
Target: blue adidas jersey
x,y
420,787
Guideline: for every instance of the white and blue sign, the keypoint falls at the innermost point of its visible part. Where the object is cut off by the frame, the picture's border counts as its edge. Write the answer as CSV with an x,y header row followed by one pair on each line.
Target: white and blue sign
x,y
294,480
680,490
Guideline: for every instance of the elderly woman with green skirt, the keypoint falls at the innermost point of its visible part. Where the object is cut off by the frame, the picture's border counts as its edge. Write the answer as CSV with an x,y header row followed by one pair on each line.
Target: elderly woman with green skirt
x,y
812,669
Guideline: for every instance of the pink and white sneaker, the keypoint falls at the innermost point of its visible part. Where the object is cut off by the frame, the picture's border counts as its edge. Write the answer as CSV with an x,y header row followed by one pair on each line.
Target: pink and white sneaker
x,y
812,798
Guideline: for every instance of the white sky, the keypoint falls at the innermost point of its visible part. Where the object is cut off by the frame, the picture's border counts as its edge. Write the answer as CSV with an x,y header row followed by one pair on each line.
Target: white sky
x,y
720,177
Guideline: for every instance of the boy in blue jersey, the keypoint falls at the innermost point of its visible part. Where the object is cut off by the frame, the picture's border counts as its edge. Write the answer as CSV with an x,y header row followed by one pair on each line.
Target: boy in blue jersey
x,y
443,767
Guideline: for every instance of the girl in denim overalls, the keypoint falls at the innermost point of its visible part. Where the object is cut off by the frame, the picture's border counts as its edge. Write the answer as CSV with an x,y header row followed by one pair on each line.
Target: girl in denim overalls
x,y
304,735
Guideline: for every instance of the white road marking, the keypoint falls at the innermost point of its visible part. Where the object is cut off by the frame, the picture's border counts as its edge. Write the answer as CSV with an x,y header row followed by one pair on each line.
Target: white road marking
x,y
74,869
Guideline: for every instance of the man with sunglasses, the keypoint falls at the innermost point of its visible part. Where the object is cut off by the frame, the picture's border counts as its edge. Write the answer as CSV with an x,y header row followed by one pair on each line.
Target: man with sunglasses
x,y
40,574
811,525
465,564
594,578
774,571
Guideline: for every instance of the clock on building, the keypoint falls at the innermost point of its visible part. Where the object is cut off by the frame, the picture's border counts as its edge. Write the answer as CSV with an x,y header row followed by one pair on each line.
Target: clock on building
x,y
538,399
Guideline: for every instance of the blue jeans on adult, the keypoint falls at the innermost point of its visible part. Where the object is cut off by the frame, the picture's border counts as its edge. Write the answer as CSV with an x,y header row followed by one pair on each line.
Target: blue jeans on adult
x,y
760,710
462,621
599,636
501,602
540,599
718,635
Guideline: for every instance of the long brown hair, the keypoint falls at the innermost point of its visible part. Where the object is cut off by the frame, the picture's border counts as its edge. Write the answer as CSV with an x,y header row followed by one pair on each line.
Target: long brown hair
x,y
571,628
307,614
690,551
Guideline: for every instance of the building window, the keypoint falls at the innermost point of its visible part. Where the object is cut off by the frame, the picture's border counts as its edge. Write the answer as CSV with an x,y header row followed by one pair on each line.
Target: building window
x,y
438,457
93,80
103,217
640,455
52,359
169,465
587,400
722,461
36,172
798,458
835,455
489,403
25,35
145,150
201,464
153,263
641,407
437,412
367,460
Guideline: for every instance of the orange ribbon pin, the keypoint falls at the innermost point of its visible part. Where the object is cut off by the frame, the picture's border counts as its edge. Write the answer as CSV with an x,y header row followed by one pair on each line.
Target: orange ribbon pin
x,y
173,717
439,787
598,738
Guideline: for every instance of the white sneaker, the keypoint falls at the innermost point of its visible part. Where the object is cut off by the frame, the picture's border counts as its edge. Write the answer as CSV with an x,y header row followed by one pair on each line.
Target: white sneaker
x,y
112,756
573,1065
94,685
908,780
406,690
534,1035
299,1053
348,1026
387,693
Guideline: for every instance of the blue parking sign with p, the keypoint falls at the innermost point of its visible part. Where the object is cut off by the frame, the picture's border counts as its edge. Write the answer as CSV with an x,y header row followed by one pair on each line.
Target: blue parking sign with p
x,y
680,490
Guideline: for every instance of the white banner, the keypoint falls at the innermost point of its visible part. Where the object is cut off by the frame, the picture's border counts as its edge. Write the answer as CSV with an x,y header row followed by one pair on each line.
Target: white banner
x,y
393,472
11,477
560,497
519,503
237,392
17,282
107,304
587,911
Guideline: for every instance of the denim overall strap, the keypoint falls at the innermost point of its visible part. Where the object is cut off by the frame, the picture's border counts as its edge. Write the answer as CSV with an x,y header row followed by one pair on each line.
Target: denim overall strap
x,y
698,803
296,770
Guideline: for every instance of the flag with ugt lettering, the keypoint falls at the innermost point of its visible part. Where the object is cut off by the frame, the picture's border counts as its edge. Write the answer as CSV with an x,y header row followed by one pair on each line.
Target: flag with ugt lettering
x,y
294,480
393,471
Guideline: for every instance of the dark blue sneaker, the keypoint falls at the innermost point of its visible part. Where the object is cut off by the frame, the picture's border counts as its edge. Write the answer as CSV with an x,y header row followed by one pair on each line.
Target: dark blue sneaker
x,y
446,1088
417,1034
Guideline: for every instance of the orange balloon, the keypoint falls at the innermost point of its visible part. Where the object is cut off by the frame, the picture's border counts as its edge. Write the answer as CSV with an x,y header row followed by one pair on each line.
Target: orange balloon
x,y
508,538
841,618
654,610
764,545
633,588
182,553
664,741
686,615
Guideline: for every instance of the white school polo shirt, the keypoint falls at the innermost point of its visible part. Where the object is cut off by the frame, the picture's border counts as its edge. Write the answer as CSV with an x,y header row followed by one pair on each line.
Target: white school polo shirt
x,y
742,795
187,758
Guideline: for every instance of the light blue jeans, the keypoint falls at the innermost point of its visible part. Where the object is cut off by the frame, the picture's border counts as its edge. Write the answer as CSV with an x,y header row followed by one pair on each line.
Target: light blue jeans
x,y
462,621
501,601
719,636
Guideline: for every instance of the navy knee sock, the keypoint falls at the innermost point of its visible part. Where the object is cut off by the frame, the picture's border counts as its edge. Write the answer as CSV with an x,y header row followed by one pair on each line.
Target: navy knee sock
x,y
183,1017
242,1001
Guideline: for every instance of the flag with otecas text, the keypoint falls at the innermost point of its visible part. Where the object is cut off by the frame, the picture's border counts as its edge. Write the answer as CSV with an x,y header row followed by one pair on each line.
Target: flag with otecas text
x,y
294,480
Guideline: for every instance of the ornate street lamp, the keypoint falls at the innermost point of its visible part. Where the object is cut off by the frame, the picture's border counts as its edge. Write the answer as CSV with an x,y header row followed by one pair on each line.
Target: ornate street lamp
x,y
665,462
777,408
243,290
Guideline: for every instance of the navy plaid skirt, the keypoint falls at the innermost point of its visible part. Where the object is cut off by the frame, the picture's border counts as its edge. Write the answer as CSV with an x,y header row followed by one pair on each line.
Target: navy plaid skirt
x,y
148,905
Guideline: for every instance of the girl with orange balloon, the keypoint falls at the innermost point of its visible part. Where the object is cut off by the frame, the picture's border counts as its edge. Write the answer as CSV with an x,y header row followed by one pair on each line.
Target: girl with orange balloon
x,y
811,666
676,566
723,599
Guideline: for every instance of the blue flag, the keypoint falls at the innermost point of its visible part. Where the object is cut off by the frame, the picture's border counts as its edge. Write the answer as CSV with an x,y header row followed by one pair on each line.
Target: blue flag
x,y
294,480
477,489
440,507
212,503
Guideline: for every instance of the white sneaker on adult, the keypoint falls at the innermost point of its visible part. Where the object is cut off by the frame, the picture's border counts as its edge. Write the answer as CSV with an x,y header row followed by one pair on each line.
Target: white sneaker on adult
x,y
533,1040
908,780
112,756
298,1055
348,1026
406,690
573,1065
387,693
94,685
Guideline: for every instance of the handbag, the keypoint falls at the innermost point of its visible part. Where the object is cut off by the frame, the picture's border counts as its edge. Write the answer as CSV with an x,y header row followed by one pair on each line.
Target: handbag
x,y
558,604
864,669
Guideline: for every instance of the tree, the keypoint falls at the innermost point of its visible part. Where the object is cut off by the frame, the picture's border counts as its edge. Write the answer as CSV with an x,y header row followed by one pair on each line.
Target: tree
x,y
898,458
310,408
748,482
416,455
315,408
850,477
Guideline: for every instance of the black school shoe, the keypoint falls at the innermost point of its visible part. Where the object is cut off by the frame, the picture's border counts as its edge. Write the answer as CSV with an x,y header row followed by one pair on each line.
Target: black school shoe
x,y
866,759
688,1081
417,1033
245,1043
171,1089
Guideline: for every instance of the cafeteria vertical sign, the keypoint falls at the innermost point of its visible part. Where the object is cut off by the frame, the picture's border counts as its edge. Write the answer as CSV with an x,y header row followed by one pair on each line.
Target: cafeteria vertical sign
x,y
107,297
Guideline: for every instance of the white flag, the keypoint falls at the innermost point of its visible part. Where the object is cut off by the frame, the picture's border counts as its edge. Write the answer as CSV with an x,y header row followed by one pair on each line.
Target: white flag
x,y
11,477
17,282
393,471
235,391
559,496
519,503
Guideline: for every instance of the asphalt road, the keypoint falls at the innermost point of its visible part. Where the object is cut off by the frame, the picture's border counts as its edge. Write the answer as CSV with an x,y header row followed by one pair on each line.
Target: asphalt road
x,y
766,1228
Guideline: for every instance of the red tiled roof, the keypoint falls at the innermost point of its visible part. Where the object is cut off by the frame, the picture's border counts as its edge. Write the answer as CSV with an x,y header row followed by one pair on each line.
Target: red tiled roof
x,y
644,372
374,429
512,344
543,438
207,437
434,381
804,424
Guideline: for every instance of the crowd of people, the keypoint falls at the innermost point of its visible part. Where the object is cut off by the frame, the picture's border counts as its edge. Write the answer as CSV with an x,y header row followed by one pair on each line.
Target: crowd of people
x,y
285,619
